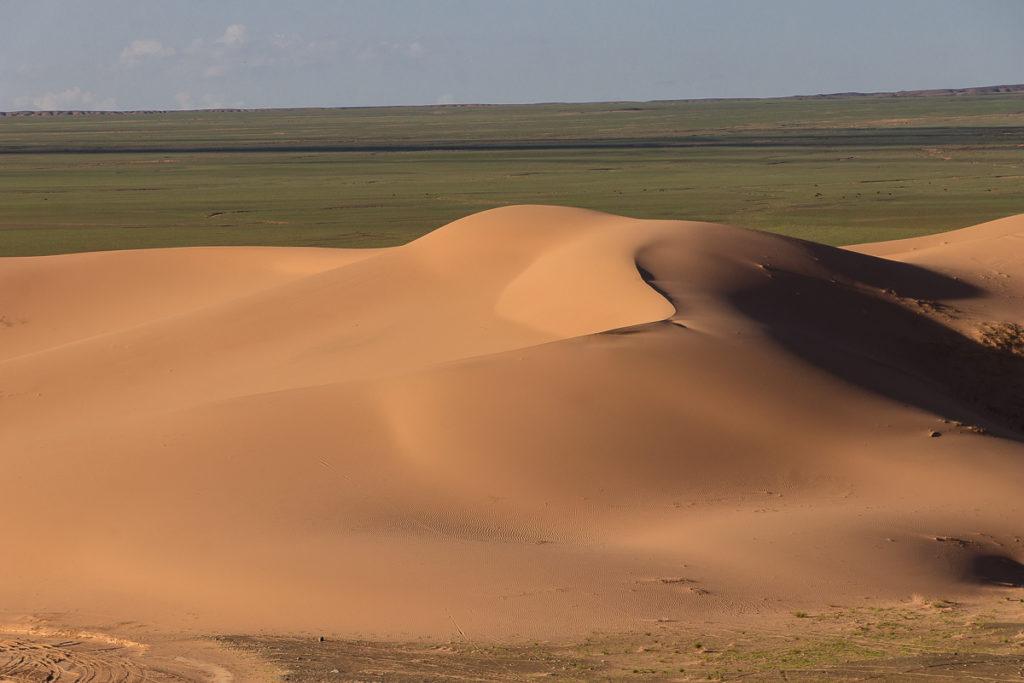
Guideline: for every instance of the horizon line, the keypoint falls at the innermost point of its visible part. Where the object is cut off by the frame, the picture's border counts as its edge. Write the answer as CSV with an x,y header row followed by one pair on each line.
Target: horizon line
x,y
1002,89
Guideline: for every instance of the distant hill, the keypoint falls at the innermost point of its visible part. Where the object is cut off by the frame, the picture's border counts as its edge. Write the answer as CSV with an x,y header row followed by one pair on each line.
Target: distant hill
x,y
983,90
986,90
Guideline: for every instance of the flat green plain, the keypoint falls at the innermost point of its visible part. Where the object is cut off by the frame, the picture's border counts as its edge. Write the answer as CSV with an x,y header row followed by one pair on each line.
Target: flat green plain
x,y
837,170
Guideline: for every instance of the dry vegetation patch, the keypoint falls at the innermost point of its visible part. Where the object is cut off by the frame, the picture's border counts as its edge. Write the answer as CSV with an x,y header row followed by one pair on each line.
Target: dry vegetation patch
x,y
915,640
1007,337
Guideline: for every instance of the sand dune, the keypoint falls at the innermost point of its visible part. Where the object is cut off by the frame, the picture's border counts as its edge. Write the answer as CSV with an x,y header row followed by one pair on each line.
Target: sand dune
x,y
534,421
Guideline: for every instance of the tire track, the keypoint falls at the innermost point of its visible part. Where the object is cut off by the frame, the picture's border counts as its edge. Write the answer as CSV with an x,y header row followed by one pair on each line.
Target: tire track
x,y
63,660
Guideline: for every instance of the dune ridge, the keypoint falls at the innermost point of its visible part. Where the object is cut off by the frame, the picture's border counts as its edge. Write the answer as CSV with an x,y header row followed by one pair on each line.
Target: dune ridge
x,y
534,421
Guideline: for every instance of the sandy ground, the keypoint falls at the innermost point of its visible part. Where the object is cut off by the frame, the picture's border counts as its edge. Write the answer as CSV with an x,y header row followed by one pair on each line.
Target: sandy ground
x,y
531,423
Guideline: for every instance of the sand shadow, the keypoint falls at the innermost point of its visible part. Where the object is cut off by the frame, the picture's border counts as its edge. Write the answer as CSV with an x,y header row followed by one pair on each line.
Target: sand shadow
x,y
997,570
878,324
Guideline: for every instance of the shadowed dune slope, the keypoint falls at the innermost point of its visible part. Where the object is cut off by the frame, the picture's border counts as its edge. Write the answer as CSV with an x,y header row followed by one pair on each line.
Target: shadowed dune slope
x,y
533,421
987,256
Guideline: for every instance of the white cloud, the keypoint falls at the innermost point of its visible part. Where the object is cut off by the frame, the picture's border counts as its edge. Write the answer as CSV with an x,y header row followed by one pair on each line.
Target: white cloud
x,y
195,47
416,50
225,55
445,98
72,98
143,48
234,35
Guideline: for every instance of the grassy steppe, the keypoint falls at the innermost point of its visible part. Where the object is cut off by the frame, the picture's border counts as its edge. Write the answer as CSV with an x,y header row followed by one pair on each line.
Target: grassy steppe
x,y
913,641
834,170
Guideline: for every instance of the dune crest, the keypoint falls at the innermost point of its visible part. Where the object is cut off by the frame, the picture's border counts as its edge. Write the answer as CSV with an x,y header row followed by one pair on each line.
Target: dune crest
x,y
524,422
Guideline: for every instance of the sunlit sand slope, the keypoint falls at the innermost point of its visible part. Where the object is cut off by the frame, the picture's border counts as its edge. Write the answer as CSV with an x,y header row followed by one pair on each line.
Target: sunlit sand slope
x,y
535,421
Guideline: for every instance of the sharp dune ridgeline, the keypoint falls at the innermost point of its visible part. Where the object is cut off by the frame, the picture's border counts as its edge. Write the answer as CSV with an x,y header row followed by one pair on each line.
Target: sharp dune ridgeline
x,y
534,421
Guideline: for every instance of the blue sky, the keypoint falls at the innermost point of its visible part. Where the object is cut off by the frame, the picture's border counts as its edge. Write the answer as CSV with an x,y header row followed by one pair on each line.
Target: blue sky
x,y
184,54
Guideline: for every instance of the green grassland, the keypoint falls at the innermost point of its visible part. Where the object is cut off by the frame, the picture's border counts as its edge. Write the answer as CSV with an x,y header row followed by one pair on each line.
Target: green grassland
x,y
833,170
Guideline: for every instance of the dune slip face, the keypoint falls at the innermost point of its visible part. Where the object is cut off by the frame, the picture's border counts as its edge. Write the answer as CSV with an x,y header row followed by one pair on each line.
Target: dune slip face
x,y
533,422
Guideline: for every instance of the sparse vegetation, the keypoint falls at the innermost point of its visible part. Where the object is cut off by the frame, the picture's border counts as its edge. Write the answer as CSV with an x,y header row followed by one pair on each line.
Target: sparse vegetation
x,y
1006,337
888,642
